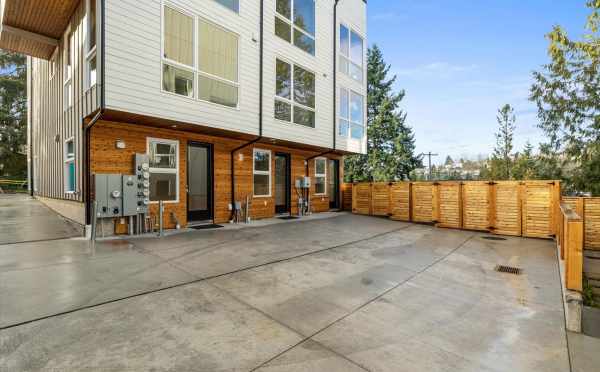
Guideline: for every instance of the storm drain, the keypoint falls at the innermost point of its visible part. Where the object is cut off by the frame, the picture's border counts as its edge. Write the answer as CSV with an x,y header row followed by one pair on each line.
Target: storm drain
x,y
493,238
508,270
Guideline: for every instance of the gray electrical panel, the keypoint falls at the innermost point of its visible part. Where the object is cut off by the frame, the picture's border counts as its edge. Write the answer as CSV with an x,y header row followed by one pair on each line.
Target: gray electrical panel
x,y
142,180
109,195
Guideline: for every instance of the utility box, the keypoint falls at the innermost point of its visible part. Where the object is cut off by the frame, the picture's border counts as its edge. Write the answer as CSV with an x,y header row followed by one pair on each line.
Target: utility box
x,y
303,183
142,183
108,190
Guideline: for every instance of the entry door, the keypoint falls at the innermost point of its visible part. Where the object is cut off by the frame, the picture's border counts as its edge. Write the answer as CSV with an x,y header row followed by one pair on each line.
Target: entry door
x,y
199,182
282,183
334,183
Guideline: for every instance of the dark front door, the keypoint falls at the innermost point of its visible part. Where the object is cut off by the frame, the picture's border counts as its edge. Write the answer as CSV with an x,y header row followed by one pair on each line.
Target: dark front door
x,y
282,183
199,182
334,183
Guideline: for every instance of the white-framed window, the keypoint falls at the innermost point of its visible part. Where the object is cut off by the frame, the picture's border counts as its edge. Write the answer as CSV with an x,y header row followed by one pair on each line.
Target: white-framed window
x,y
320,176
91,60
294,94
352,117
164,169
351,53
200,59
52,65
295,23
261,172
70,175
231,4
68,71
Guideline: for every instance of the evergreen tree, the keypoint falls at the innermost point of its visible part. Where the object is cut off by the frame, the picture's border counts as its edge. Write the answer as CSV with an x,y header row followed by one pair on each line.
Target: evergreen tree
x,y
449,161
567,97
13,115
390,145
525,163
501,164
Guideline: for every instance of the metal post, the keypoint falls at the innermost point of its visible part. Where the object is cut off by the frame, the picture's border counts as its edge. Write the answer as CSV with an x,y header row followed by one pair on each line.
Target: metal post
x,y
161,210
130,225
94,220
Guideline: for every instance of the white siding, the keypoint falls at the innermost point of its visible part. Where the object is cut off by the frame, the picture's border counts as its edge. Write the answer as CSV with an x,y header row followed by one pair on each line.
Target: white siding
x,y
321,64
353,14
133,66
133,63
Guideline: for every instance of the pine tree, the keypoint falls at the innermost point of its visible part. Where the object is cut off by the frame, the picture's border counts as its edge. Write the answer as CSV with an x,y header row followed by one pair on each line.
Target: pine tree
x,y
449,161
391,144
524,168
13,115
501,164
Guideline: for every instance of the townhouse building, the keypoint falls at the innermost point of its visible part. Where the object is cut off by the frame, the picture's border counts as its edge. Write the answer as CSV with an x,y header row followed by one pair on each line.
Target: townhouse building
x,y
232,100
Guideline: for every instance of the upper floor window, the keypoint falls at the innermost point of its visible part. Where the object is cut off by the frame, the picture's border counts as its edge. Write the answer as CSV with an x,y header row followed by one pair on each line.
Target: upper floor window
x,y
294,94
295,23
351,115
91,65
214,67
351,53
231,4
68,71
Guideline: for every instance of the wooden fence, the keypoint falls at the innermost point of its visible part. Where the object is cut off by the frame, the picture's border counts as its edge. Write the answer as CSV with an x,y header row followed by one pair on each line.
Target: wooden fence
x,y
570,242
515,208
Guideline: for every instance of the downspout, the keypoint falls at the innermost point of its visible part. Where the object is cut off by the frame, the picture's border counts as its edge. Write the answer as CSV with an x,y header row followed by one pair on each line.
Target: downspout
x,y
30,162
86,128
335,28
260,107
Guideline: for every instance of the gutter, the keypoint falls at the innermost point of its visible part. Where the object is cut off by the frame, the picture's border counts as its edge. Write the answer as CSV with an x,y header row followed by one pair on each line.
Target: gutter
x,y
87,177
260,106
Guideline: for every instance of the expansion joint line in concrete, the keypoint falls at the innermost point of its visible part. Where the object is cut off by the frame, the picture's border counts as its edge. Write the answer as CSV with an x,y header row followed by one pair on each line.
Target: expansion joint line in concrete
x,y
367,303
201,279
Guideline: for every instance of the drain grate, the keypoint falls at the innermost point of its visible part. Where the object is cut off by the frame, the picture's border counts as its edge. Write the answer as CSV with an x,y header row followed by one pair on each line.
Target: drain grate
x,y
493,238
508,270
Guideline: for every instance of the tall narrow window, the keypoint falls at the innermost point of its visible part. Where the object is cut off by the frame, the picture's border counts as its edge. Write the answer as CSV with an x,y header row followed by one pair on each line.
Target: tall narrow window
x,y
91,44
52,65
178,53
164,169
217,64
351,119
231,4
351,53
68,71
69,166
294,94
295,23
262,173
320,176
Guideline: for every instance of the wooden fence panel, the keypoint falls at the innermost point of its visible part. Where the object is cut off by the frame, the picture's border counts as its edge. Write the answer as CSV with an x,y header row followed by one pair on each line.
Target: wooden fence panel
x,y
476,206
380,197
449,205
591,216
507,201
422,202
361,198
347,196
538,209
400,201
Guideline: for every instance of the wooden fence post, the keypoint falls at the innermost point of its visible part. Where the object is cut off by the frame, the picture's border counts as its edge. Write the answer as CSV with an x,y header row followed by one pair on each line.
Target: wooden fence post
x,y
492,206
574,261
435,203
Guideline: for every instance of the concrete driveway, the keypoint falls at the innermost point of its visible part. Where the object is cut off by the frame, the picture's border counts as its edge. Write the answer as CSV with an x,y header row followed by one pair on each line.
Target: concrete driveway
x,y
346,293
22,218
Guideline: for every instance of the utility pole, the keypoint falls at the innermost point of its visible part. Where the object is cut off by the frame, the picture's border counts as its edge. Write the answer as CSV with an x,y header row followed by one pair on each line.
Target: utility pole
x,y
429,155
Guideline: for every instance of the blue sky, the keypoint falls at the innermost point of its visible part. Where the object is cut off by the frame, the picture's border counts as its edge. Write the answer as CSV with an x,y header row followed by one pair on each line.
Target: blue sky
x,y
460,60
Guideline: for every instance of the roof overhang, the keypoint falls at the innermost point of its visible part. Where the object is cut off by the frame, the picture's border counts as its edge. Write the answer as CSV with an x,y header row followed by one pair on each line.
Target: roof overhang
x,y
34,27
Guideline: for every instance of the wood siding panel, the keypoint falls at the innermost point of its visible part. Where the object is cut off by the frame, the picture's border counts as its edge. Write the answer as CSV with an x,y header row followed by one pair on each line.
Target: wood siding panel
x,y
107,159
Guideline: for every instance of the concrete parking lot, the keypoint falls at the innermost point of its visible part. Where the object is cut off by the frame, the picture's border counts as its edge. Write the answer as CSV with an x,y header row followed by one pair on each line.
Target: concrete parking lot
x,y
344,293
